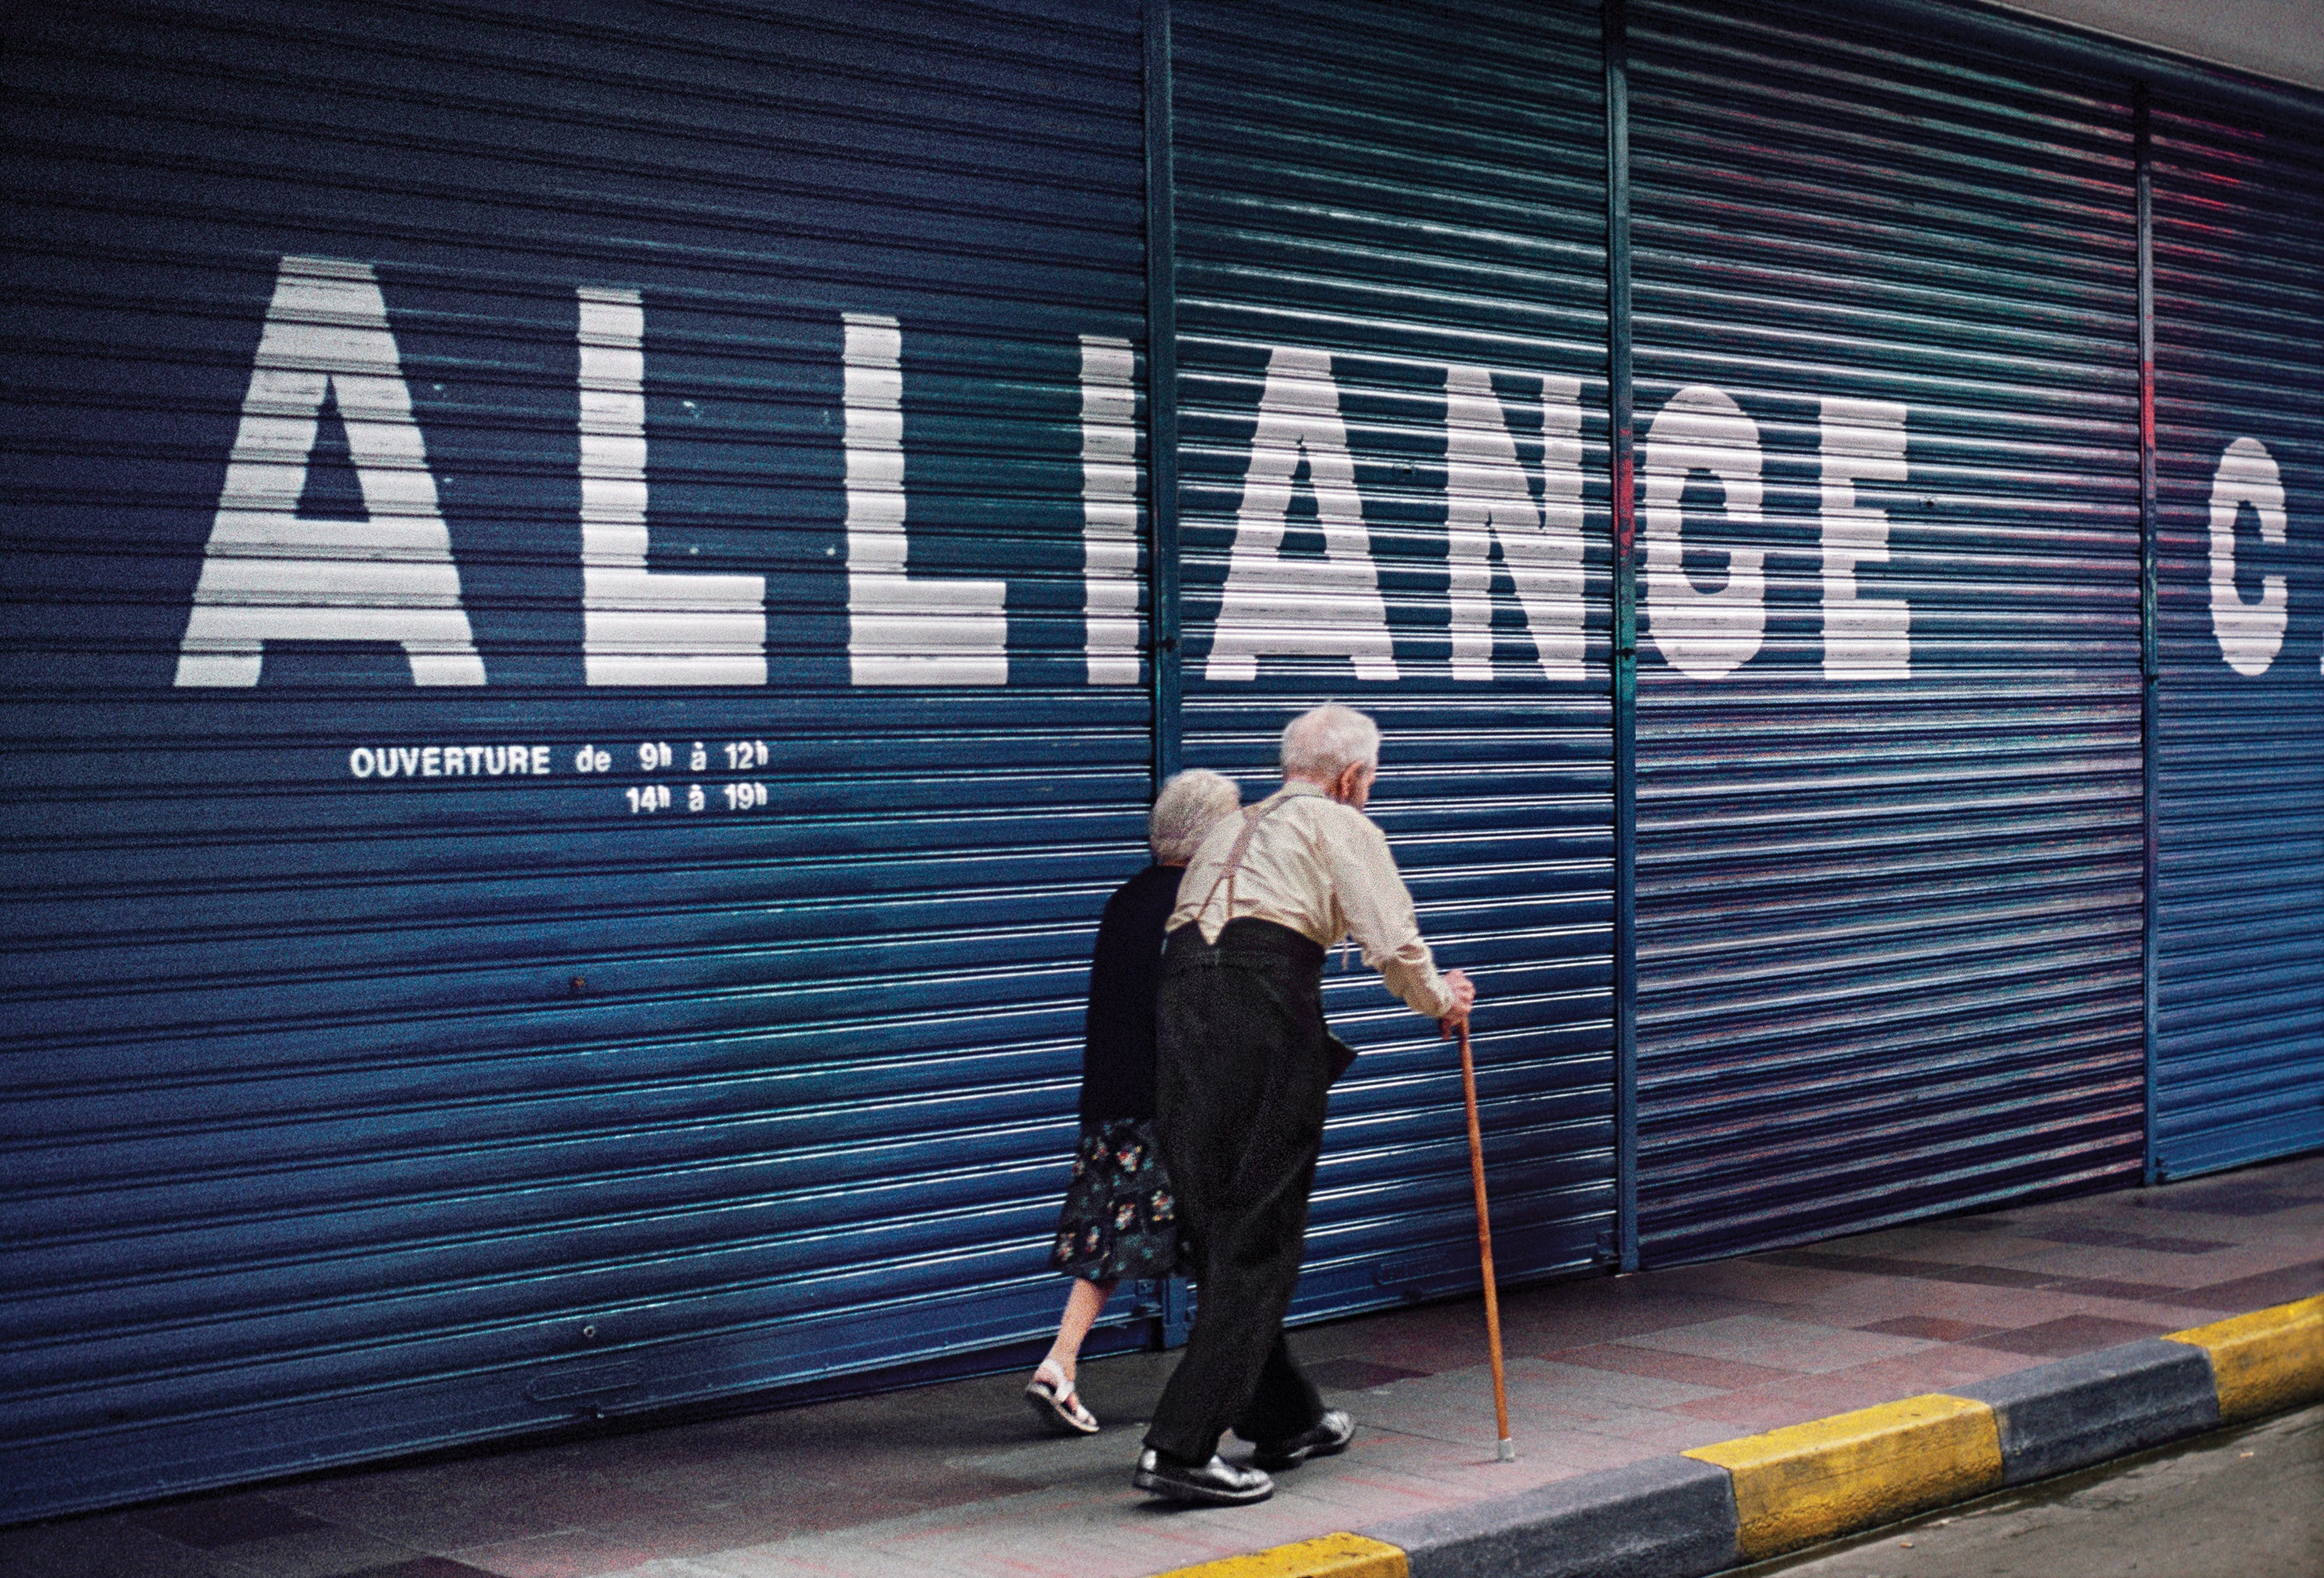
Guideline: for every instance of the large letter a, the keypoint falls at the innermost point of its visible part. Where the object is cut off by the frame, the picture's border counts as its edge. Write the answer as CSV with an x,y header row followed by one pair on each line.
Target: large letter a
x,y
1327,607
269,575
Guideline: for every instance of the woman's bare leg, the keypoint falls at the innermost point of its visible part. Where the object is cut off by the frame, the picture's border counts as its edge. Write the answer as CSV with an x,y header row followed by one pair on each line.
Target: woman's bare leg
x,y
1082,1307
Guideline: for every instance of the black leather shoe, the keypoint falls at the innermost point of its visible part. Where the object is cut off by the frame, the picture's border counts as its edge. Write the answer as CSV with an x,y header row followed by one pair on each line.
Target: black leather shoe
x,y
1327,1437
1217,1482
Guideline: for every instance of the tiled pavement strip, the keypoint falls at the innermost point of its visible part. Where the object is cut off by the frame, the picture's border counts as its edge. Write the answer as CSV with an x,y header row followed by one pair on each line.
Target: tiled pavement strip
x,y
953,1480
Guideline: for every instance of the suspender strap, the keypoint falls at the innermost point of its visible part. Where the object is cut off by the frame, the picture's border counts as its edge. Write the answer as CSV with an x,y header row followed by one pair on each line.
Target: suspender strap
x,y
1251,818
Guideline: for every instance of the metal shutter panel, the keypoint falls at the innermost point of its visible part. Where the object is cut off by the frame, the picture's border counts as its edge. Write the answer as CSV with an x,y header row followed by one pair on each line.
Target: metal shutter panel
x,y
352,1114
1381,210
1888,927
2239,420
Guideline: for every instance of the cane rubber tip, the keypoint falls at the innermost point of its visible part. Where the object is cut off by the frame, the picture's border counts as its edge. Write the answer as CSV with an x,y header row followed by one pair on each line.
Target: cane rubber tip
x,y
1508,1451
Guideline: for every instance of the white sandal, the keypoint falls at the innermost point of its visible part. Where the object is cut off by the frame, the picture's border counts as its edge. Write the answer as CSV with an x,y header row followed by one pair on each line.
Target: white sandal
x,y
1054,1402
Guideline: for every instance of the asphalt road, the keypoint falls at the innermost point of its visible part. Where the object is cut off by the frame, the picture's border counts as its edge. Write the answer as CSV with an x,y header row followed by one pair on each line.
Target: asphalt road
x,y
2241,1503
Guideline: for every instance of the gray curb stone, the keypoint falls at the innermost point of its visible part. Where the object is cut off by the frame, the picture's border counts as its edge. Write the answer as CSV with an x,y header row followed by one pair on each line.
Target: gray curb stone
x,y
2057,1417
1666,1517
1675,1517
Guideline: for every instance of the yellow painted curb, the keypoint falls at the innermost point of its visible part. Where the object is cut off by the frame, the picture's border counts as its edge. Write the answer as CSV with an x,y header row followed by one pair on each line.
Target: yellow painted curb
x,y
1809,1482
1330,1556
2265,1361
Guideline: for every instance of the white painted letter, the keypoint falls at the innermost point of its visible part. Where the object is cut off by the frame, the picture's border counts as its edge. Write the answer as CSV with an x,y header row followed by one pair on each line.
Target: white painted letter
x,y
1703,634
1485,498
1108,511
268,575
1861,440
1329,607
2250,634
899,630
641,626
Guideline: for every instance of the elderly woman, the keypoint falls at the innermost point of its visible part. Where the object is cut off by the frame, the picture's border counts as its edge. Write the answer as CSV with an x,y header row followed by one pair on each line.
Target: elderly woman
x,y
1119,1219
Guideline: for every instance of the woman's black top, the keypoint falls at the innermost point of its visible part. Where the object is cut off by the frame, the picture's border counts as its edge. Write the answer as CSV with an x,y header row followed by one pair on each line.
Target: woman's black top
x,y
1118,1044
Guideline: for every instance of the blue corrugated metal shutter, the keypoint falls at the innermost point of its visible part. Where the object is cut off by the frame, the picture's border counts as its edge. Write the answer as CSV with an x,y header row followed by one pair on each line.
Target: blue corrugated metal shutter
x,y
395,1052
1392,365
2239,419
1889,852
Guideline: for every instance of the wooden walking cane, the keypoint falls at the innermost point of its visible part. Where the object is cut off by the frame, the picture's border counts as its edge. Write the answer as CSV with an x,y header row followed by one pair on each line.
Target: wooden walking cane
x,y
1508,1452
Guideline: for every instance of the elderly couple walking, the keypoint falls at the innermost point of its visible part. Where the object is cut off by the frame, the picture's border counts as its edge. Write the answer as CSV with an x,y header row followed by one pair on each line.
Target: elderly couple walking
x,y
1204,1078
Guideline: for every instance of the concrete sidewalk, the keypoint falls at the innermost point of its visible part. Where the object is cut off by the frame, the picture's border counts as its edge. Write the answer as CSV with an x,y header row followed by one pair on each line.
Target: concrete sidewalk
x,y
954,1479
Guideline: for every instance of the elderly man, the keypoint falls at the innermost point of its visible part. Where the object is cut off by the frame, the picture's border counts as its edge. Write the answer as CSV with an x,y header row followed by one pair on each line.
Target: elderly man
x,y
1243,1065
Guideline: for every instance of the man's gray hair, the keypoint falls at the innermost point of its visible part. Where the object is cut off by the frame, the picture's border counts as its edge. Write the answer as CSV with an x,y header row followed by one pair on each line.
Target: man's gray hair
x,y
1189,806
1322,743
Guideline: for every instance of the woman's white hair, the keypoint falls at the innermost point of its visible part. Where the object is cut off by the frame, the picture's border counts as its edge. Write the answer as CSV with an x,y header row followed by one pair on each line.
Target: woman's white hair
x,y
1189,806
1322,743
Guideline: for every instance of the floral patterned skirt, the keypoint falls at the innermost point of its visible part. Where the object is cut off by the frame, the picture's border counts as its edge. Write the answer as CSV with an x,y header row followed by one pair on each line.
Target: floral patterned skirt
x,y
1119,1218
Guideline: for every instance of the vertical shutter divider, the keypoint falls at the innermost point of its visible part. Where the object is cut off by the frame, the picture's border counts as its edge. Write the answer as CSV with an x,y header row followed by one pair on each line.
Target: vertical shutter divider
x,y
2150,668
1162,386
1622,513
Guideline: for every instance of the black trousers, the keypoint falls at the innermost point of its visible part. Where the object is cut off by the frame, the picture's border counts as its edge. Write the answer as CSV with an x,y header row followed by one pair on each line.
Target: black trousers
x,y
1242,1071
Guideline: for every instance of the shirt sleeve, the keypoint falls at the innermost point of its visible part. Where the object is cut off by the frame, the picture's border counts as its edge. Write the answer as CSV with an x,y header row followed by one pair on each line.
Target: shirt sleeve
x,y
1379,914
